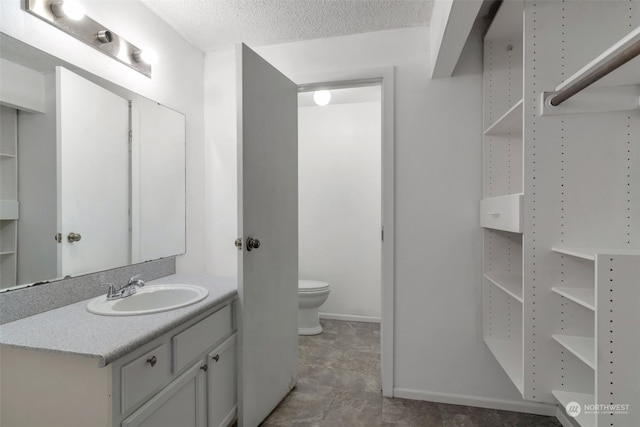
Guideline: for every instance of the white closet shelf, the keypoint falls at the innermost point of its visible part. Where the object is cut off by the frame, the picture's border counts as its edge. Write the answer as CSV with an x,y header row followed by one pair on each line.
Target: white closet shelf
x,y
7,253
503,212
590,253
582,296
509,123
566,397
628,74
509,355
511,283
584,348
8,155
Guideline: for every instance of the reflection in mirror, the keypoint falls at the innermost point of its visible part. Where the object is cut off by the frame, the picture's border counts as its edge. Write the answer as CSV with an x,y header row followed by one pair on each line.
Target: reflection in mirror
x,y
73,180
158,181
92,175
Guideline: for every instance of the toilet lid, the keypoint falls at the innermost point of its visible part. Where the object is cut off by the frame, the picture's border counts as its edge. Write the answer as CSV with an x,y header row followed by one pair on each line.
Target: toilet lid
x,y
312,285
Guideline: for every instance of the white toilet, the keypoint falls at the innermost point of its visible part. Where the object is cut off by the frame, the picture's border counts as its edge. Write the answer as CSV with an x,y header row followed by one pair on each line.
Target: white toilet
x,y
311,295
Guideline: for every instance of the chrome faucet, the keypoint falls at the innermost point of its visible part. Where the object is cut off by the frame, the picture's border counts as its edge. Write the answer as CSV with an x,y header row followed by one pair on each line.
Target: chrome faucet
x,y
127,290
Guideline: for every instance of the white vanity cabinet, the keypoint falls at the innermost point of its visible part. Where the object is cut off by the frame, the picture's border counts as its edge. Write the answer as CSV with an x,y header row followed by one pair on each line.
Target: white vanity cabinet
x,y
185,377
195,370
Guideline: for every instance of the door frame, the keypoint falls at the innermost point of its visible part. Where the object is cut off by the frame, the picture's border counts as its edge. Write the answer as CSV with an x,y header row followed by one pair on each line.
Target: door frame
x,y
384,76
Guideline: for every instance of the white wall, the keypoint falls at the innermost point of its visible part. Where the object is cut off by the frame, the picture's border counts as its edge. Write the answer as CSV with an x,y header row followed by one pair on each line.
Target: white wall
x,y
439,352
221,202
339,200
176,82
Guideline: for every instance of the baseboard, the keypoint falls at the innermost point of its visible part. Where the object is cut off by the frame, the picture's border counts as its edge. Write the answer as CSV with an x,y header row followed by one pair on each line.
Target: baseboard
x,y
482,402
350,317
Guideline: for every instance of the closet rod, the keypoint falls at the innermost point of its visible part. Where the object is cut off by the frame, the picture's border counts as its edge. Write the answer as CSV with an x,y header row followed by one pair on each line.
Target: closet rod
x,y
625,56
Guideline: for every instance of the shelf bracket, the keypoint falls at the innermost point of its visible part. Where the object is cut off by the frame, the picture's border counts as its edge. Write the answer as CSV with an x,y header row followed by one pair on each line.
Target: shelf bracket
x,y
594,100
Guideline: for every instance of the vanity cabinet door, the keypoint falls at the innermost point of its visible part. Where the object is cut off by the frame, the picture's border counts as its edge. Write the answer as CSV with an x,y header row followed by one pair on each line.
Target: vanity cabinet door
x,y
222,384
182,403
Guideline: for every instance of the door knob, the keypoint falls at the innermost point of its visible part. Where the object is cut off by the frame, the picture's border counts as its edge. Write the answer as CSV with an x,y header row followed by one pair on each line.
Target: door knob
x,y
252,244
74,237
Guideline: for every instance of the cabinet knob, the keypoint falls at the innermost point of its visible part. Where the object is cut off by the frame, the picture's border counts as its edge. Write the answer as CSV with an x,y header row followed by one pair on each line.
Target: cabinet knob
x,y
204,368
152,361
216,357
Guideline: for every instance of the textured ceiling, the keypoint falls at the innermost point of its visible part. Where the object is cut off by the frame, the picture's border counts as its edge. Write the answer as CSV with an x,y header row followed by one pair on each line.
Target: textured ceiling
x,y
219,24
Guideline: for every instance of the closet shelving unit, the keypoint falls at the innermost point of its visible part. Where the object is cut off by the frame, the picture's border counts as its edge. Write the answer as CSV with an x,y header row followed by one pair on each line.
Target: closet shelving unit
x,y
502,205
610,350
616,275
560,208
581,230
8,196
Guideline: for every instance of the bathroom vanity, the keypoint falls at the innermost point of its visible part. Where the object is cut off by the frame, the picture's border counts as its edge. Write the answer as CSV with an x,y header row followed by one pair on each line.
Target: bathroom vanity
x,y
69,367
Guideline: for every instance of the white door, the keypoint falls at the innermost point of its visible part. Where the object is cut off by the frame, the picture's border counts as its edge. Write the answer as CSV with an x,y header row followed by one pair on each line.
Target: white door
x,y
93,176
268,212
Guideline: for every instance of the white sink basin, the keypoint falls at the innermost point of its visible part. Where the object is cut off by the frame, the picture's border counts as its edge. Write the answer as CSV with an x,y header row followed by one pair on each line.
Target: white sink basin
x,y
149,299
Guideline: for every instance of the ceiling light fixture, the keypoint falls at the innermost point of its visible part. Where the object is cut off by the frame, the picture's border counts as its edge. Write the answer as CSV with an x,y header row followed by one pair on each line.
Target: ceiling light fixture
x,y
68,9
322,97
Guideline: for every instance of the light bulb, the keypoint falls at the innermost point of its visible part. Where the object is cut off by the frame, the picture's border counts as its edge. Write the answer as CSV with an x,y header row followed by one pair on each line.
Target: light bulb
x,y
322,97
148,56
71,9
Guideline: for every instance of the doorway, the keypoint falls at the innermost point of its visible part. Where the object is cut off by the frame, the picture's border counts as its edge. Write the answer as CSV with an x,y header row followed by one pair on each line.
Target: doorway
x,y
384,79
339,198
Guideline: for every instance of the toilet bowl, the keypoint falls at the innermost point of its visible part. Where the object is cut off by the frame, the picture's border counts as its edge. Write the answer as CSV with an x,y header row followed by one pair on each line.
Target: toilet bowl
x,y
311,295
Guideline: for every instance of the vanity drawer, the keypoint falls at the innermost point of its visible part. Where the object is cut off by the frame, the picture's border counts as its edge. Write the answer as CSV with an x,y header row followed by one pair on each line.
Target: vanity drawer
x,y
194,341
144,375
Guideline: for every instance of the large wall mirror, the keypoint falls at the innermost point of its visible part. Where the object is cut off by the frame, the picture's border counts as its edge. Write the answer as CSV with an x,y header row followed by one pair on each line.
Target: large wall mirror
x,y
92,175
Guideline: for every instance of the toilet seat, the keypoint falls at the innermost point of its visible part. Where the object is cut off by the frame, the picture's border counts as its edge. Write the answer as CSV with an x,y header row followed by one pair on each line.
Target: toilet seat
x,y
312,286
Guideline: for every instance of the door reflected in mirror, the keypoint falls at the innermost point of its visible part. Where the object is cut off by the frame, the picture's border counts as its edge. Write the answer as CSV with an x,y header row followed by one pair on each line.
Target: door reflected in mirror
x,y
93,175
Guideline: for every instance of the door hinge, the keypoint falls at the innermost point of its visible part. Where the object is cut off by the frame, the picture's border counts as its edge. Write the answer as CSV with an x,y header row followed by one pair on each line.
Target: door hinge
x,y
130,137
382,234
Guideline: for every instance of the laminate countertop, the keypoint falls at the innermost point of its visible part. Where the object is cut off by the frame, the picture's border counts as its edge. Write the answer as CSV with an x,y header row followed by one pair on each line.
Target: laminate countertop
x,y
73,330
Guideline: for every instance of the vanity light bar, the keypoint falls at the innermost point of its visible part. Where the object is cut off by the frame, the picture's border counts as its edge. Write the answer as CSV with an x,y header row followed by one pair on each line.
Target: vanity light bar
x,y
90,32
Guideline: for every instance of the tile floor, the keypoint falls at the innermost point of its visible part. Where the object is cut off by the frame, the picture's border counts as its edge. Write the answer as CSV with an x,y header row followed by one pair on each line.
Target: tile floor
x,y
339,386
